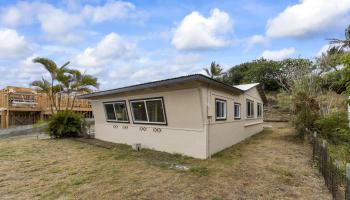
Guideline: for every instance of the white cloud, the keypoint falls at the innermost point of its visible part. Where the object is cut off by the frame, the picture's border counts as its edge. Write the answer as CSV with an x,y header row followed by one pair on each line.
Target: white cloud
x,y
22,72
255,40
278,54
21,13
111,48
307,17
111,10
198,32
13,45
59,25
62,24
30,71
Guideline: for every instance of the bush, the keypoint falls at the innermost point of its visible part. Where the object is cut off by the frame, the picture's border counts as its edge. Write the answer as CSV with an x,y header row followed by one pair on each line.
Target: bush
x,y
65,124
334,127
306,112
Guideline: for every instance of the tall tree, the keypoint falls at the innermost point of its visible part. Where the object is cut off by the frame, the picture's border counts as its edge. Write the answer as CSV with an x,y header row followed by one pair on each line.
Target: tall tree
x,y
329,60
214,71
260,70
293,69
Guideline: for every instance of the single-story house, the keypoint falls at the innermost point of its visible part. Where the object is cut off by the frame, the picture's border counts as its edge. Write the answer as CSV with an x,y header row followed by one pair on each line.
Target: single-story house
x,y
192,115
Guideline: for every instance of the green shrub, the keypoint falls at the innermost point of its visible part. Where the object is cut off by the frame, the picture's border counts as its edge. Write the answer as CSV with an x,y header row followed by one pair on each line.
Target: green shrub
x,y
334,127
306,112
65,124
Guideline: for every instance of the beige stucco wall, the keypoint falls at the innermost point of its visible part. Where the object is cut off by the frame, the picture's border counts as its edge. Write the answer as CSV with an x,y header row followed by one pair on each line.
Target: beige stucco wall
x,y
184,133
223,134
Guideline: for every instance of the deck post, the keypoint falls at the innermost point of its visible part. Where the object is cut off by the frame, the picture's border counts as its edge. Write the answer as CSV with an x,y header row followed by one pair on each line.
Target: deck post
x,y
347,189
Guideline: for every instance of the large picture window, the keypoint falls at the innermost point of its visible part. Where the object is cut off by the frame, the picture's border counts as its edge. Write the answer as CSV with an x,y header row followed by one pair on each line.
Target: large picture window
x,y
116,111
148,111
259,112
250,108
237,111
220,109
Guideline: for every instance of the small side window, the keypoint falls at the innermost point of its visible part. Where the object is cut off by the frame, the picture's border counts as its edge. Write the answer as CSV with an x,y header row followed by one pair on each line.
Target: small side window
x,y
250,108
220,109
259,112
237,111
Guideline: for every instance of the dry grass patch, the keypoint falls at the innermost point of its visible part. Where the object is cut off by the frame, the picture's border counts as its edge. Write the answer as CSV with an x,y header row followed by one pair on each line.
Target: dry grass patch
x,y
270,165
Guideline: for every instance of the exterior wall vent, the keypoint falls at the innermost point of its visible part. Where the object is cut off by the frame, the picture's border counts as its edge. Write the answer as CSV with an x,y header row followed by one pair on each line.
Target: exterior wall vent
x,y
136,147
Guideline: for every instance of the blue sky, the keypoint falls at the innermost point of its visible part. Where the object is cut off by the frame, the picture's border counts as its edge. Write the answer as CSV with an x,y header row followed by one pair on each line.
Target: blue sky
x,y
129,42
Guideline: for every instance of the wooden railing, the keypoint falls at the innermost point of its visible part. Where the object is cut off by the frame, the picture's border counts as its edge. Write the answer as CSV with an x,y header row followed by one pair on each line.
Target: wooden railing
x,y
39,101
22,100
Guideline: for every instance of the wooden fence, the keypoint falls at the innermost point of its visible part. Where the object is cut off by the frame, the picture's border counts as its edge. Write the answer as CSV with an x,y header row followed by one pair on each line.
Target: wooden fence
x,y
335,178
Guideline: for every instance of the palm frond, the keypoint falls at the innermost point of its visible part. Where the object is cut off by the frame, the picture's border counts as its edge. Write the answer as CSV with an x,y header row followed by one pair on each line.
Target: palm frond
x,y
49,65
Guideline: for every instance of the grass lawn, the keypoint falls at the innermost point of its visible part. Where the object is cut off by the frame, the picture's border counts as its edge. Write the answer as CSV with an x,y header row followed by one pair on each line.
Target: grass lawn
x,y
270,165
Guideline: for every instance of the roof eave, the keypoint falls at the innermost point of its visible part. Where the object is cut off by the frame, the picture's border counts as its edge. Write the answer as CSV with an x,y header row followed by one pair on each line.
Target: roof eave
x,y
161,83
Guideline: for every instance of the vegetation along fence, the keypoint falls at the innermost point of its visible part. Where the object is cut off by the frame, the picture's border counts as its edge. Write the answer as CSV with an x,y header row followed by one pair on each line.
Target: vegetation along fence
x,y
336,180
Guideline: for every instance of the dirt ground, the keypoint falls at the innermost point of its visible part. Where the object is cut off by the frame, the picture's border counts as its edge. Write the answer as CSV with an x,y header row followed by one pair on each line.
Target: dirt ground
x,y
270,165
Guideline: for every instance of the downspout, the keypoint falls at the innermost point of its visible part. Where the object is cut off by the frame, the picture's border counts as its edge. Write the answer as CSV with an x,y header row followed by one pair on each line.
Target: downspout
x,y
208,123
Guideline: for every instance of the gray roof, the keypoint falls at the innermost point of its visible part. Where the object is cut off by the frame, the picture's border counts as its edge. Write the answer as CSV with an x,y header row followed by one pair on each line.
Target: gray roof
x,y
166,82
246,87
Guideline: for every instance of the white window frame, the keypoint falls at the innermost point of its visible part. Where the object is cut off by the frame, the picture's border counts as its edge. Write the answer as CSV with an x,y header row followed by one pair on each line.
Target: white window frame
x,y
259,110
115,113
225,109
144,101
239,111
250,115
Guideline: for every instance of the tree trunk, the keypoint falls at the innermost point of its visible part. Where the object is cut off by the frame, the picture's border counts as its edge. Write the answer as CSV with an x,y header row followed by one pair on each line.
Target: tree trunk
x,y
68,95
59,101
75,96
53,96
50,102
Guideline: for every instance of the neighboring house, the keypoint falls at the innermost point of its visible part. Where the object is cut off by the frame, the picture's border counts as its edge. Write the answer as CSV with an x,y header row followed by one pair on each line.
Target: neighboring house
x,y
192,115
25,106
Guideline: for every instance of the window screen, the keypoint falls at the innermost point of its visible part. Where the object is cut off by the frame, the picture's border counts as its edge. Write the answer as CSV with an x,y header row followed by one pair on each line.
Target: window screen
x,y
121,112
139,111
110,115
155,111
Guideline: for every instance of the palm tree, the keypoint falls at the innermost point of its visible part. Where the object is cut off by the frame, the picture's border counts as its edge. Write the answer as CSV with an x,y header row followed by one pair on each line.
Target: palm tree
x,y
44,87
214,71
52,68
342,44
81,83
64,81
